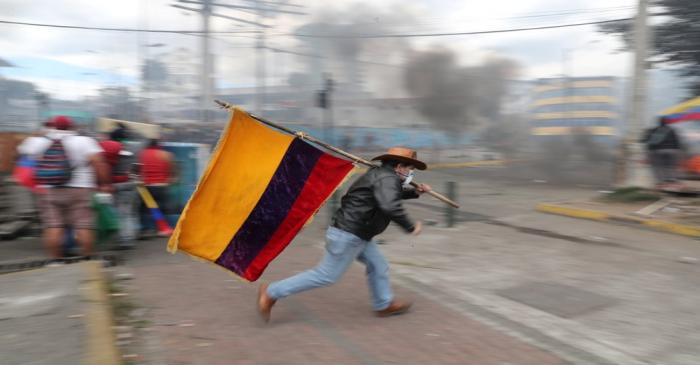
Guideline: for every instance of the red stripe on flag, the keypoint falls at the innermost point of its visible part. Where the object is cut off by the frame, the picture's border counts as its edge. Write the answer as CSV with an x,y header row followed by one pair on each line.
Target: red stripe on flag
x,y
326,175
684,117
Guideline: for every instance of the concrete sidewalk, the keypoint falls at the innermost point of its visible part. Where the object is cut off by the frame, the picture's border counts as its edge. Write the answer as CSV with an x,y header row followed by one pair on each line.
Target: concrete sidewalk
x,y
56,315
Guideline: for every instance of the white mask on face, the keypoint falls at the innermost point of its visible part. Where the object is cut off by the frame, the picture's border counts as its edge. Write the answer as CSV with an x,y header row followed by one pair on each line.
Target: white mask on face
x,y
407,178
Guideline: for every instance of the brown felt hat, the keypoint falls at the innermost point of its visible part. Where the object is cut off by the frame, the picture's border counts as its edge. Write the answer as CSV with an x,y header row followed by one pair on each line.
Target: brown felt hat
x,y
402,154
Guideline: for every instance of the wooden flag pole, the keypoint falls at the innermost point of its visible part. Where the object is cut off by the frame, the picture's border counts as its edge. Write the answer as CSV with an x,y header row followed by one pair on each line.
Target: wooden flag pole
x,y
309,138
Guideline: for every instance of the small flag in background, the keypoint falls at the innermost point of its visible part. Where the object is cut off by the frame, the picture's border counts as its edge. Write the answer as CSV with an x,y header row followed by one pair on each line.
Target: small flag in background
x,y
158,217
688,110
259,189
23,172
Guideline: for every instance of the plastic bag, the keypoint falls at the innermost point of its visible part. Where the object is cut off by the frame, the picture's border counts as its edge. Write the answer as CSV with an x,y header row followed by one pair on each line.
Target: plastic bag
x,y
106,215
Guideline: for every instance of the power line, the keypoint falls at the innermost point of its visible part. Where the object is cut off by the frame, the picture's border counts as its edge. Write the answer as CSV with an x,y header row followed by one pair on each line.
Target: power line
x,y
122,29
442,20
302,35
536,16
571,12
243,7
280,4
414,35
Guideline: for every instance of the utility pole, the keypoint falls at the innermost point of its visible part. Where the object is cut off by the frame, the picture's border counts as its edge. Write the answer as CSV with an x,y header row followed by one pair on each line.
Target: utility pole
x,y
42,101
568,88
634,173
205,72
260,8
325,103
260,71
146,72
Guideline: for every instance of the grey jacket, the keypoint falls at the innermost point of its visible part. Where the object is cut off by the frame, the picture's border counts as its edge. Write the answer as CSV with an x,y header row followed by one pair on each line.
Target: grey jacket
x,y
372,202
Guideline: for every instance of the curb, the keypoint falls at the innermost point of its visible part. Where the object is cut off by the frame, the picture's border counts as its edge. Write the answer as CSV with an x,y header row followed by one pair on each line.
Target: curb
x,y
36,263
100,344
655,224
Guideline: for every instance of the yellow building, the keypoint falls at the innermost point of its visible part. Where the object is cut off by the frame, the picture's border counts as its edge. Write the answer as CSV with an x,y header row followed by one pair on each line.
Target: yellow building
x,y
580,105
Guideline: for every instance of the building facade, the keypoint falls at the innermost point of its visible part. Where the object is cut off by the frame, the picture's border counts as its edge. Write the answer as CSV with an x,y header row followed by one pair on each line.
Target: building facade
x,y
576,106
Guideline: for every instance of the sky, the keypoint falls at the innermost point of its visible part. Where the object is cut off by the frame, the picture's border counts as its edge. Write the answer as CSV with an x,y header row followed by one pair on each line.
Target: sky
x,y
71,64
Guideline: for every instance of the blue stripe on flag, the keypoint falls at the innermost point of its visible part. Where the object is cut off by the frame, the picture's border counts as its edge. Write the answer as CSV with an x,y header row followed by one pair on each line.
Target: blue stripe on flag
x,y
157,214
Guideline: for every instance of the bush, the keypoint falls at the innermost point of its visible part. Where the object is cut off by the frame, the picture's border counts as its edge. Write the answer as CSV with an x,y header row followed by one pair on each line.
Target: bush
x,y
631,195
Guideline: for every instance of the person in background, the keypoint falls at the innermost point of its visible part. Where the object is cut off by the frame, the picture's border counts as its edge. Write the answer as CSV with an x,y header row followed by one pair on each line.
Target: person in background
x,y
120,160
665,152
68,203
157,173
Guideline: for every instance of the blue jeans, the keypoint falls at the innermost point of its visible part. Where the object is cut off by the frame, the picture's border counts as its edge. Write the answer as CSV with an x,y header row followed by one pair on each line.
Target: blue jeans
x,y
342,248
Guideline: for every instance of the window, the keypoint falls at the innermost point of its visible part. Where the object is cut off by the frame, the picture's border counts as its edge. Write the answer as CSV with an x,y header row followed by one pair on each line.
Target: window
x,y
569,107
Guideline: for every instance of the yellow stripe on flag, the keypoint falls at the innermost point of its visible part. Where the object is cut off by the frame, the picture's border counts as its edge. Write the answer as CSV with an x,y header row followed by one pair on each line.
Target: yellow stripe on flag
x,y
680,108
237,175
147,197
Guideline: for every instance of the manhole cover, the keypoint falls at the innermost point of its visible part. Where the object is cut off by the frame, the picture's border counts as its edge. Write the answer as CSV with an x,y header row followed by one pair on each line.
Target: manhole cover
x,y
560,300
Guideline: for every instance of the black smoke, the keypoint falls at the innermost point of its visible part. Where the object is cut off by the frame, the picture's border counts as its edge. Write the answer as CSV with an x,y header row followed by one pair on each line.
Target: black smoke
x,y
450,96
455,97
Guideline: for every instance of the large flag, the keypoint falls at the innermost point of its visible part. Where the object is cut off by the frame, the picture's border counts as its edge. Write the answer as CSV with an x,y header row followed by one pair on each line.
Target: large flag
x,y
259,189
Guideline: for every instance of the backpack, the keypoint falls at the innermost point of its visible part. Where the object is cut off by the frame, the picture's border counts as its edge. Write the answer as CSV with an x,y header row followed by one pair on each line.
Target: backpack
x,y
53,166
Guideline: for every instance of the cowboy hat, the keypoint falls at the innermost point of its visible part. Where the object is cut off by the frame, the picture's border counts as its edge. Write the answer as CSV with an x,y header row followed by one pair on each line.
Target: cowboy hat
x,y
404,155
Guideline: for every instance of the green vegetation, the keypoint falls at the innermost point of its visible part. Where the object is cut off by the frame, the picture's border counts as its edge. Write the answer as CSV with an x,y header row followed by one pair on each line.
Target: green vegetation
x,y
631,195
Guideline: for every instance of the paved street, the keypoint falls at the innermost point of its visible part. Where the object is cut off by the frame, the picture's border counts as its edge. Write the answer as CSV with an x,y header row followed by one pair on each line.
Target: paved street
x,y
639,302
201,315
506,286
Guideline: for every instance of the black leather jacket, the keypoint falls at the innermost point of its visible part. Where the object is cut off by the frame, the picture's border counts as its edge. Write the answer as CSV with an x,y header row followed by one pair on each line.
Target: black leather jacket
x,y
372,202
661,138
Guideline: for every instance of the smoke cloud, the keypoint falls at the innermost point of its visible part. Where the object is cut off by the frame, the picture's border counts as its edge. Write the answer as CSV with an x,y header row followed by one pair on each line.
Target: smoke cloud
x,y
451,96
356,60
455,97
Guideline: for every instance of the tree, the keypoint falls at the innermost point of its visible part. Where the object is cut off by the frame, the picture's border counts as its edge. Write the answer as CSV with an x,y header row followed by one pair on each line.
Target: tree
x,y
676,39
